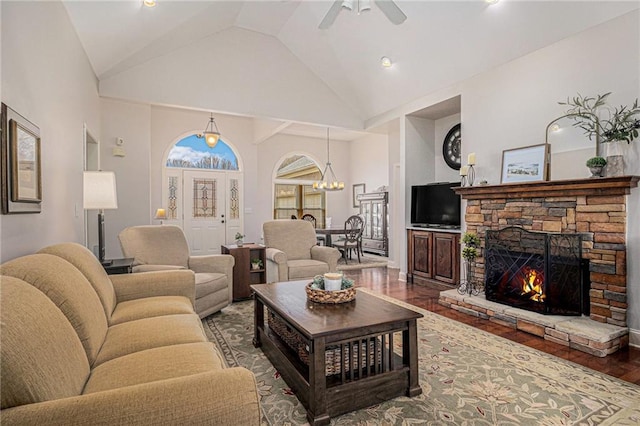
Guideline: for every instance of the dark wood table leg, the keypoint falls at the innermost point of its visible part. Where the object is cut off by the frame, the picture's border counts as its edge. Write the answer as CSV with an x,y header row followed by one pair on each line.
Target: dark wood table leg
x,y
410,357
317,412
258,321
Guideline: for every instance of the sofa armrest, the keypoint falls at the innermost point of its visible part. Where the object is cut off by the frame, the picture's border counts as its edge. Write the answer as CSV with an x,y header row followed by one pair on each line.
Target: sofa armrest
x,y
150,284
277,269
230,397
329,255
220,263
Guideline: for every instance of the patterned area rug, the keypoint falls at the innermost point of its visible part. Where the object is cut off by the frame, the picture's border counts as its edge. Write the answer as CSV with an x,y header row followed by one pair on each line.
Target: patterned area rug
x,y
468,377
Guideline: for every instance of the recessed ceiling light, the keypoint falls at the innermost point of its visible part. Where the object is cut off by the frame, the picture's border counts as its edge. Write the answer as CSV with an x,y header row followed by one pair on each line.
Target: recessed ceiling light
x,y
491,1
149,3
386,62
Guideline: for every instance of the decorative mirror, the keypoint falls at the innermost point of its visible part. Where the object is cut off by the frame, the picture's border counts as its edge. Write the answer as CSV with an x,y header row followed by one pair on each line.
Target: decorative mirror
x,y
570,149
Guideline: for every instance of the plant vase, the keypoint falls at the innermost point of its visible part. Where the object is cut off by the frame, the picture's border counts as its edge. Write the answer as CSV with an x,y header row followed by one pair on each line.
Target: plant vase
x,y
596,171
239,243
615,158
255,266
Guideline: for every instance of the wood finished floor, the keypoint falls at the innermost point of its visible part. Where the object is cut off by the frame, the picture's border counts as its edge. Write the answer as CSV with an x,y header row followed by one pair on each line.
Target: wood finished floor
x,y
624,364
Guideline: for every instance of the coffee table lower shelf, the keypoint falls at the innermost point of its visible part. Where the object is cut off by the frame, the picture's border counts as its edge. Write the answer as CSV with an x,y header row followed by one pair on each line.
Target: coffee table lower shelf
x,y
339,397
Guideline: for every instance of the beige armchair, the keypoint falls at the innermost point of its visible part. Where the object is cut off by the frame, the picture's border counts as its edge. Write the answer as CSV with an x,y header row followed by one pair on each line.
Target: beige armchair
x,y
292,253
164,247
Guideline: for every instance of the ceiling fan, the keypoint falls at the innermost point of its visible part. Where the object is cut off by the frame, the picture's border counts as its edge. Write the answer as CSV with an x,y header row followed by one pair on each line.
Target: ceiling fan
x,y
388,7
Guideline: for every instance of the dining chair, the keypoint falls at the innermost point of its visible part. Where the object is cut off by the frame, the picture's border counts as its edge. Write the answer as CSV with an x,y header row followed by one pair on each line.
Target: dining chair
x,y
322,240
353,228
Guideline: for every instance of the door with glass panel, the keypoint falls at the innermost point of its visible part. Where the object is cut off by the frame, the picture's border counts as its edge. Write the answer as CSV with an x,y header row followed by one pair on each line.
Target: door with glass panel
x,y
204,211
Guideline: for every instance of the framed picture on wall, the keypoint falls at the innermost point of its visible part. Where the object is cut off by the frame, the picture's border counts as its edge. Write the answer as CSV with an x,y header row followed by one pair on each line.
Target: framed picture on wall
x,y
21,164
358,189
527,164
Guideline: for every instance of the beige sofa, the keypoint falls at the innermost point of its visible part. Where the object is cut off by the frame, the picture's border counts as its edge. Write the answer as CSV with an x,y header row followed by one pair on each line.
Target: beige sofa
x,y
80,347
292,251
164,247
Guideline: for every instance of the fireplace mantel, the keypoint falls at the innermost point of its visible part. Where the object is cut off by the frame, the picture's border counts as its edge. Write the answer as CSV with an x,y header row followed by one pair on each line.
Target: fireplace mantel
x,y
621,185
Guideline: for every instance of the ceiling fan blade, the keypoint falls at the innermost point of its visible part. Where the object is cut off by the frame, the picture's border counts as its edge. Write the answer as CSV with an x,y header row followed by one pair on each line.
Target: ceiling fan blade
x,y
392,11
331,15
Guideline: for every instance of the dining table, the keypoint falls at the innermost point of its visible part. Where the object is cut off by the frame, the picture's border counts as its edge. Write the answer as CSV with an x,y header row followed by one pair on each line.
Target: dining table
x,y
328,232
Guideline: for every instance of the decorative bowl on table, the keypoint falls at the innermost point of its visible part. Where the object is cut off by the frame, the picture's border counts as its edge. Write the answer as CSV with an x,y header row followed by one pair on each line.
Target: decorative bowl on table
x,y
316,292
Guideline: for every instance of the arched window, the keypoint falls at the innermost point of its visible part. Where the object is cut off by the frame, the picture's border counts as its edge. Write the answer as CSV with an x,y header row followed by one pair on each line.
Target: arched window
x,y
293,194
192,153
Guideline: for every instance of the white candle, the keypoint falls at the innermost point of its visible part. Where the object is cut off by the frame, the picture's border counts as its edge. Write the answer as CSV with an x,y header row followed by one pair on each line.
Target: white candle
x,y
464,170
471,159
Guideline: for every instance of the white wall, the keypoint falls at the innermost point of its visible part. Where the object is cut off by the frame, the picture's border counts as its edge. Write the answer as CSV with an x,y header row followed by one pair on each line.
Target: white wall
x,y
368,164
47,78
220,80
131,122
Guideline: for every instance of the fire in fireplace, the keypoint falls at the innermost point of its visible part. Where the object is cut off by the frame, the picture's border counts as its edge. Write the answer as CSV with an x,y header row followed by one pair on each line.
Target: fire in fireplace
x,y
537,271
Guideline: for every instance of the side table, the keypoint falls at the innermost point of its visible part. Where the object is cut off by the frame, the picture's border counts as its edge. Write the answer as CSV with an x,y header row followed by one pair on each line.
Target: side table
x,y
119,266
243,273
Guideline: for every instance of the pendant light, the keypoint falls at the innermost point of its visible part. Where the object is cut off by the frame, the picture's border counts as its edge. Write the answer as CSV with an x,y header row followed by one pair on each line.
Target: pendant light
x,y
328,180
211,133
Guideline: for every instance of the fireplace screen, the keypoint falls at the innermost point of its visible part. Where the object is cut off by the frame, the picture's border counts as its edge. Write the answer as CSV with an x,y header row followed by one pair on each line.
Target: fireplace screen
x,y
537,271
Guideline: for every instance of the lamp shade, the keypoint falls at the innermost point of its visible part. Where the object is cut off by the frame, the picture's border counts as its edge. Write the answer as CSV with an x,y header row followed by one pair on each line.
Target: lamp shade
x,y
99,190
161,214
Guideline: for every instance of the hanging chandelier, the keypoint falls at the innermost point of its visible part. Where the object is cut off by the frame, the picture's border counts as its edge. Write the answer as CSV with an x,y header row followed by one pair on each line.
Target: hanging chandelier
x,y
211,133
328,180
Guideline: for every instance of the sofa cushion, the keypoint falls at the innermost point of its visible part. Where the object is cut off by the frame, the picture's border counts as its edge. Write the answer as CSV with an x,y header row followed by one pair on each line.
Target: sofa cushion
x,y
147,333
155,245
299,269
149,307
167,362
41,355
207,283
69,290
80,257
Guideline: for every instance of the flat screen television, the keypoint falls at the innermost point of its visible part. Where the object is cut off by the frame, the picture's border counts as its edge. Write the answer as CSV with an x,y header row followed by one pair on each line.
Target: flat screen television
x,y
435,205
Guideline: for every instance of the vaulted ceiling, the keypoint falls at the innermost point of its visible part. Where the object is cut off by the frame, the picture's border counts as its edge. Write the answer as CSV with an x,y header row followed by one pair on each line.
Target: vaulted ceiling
x,y
440,43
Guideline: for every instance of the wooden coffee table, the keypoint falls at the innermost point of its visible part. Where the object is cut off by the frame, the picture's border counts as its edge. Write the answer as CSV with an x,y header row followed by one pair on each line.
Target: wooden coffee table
x,y
312,345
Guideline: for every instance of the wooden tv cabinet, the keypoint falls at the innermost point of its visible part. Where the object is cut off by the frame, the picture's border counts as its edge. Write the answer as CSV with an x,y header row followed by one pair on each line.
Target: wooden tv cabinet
x,y
433,256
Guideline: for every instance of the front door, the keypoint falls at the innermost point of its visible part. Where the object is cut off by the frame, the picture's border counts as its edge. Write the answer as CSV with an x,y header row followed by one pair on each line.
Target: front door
x,y
204,210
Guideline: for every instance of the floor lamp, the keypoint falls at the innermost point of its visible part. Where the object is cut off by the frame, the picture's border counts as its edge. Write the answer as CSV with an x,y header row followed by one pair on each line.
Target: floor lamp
x,y
99,193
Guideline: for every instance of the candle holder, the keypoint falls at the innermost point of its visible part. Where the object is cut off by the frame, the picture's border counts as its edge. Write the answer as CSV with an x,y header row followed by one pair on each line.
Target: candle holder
x,y
463,181
471,175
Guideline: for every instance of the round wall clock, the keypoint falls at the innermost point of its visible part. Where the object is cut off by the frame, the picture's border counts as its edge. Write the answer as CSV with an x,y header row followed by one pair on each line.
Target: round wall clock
x,y
451,147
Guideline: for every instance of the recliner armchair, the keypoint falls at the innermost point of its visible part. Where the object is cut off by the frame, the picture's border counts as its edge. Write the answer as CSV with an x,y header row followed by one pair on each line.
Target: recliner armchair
x,y
164,247
292,252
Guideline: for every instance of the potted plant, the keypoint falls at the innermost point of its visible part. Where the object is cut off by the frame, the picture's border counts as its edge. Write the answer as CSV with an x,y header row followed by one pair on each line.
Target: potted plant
x,y
595,165
607,125
256,263
469,254
239,238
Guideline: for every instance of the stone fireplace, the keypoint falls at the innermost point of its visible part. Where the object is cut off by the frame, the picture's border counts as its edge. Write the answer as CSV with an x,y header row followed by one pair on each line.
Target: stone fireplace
x,y
593,208
537,271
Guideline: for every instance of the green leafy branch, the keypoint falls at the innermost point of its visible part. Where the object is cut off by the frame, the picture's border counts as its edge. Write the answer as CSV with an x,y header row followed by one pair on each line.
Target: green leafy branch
x,y
621,123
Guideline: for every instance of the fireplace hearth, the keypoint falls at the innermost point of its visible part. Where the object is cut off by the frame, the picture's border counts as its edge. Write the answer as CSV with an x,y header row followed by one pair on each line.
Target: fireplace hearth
x,y
537,271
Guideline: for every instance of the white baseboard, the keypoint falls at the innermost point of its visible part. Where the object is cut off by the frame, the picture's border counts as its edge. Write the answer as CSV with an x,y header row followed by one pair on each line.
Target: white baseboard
x,y
402,276
634,338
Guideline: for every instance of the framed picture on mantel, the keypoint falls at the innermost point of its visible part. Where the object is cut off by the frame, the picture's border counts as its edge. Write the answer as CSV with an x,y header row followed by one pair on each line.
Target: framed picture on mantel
x,y
528,164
